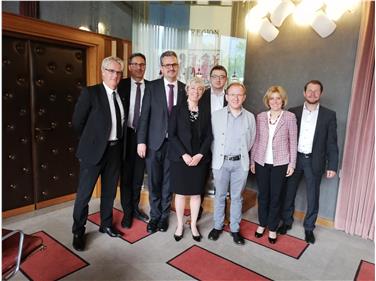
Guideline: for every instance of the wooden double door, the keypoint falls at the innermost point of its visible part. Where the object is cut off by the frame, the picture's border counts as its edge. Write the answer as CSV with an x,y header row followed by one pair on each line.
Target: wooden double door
x,y
41,83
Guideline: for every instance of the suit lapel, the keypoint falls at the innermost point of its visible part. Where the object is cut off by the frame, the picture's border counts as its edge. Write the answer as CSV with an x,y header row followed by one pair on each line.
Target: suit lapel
x,y
320,119
280,123
104,102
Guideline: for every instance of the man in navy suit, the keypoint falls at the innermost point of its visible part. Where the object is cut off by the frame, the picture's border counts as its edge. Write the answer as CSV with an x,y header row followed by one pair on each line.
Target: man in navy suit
x,y
152,138
317,154
98,118
132,175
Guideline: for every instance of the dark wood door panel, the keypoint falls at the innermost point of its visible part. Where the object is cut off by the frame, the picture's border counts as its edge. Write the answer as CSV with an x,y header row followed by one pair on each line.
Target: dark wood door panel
x,y
17,181
58,75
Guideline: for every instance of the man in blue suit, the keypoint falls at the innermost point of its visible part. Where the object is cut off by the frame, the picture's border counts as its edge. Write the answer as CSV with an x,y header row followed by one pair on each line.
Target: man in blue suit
x,y
152,138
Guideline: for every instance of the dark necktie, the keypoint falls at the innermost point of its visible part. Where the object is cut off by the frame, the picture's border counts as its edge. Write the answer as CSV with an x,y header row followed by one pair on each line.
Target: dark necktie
x,y
136,113
170,97
118,117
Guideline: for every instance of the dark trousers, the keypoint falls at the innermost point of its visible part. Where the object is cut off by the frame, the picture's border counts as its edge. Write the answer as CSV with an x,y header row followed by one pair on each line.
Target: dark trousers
x,y
158,168
109,169
270,181
303,167
132,175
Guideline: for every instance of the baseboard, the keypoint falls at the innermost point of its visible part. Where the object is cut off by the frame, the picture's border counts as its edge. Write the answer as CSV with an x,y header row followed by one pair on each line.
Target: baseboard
x,y
55,201
299,215
18,211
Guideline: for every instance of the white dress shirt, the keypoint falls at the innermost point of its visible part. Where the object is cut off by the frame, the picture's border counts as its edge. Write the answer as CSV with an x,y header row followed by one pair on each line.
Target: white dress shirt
x,y
167,90
132,100
269,147
109,92
216,101
307,129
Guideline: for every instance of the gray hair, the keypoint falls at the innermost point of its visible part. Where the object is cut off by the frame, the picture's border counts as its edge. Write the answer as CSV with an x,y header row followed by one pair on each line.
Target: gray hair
x,y
106,62
167,54
195,81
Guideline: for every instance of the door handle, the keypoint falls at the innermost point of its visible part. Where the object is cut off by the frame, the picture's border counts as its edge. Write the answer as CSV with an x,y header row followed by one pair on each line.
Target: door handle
x,y
43,129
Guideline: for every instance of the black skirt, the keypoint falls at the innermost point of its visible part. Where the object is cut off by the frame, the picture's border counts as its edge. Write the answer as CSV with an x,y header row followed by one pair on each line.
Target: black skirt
x,y
186,180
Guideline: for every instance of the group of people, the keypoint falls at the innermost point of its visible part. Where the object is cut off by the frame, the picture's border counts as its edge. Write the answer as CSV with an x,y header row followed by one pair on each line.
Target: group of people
x,y
184,135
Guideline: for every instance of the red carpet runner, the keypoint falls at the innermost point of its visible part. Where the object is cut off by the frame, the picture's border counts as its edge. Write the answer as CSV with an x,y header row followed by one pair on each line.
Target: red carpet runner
x,y
54,262
366,271
132,235
202,264
286,244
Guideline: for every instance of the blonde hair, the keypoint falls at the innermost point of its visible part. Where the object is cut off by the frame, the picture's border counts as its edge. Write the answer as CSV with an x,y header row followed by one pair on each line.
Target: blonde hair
x,y
195,81
275,89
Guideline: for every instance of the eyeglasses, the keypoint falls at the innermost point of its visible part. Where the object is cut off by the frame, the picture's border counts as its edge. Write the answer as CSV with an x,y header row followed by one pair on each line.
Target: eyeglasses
x,y
134,64
235,96
221,77
113,71
170,65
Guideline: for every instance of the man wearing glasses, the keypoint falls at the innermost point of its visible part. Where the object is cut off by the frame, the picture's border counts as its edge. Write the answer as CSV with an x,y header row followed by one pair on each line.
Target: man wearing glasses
x,y
234,131
152,138
132,173
213,99
98,118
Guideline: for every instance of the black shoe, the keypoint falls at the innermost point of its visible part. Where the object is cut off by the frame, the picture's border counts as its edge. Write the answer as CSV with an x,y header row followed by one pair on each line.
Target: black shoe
x,y
152,226
259,234
283,229
111,231
200,213
163,225
126,222
179,237
198,237
309,237
78,242
140,215
214,234
238,239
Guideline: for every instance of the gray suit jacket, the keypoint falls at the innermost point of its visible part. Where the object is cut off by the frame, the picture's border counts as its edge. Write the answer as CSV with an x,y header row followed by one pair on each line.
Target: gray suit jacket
x,y
153,123
219,126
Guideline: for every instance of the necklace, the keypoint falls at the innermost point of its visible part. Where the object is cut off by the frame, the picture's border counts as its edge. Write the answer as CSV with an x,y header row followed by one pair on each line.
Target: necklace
x,y
271,122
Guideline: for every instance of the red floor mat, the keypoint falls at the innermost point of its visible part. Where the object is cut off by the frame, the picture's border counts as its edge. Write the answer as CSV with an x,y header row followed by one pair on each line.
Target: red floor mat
x,y
54,262
366,271
132,235
202,264
286,244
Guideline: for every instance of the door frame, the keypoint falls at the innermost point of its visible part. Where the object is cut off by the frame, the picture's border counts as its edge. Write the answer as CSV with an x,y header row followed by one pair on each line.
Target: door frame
x,y
97,48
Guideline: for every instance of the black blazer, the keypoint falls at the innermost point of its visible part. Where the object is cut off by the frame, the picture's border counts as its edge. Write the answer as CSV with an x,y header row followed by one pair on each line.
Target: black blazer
x,y
124,87
325,147
205,101
92,121
179,133
153,123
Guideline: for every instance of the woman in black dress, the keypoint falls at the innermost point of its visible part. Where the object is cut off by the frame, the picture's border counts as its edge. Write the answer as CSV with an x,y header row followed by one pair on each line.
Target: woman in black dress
x,y
190,137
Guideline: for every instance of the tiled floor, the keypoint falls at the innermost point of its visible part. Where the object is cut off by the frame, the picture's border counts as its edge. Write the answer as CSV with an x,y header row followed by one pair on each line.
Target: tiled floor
x,y
334,256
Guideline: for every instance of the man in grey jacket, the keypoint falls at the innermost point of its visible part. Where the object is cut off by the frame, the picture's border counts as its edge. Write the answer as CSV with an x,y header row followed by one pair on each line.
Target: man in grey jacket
x,y
234,130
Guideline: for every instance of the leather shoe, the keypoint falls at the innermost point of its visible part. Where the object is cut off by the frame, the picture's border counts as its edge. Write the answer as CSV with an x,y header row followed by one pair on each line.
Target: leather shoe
x,y
163,225
152,226
309,237
259,234
126,222
78,242
214,234
140,215
238,239
283,229
179,237
198,237
110,231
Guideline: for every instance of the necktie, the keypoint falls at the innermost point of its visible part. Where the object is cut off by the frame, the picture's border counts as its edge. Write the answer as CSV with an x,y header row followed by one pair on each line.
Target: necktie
x,y
170,97
118,117
136,113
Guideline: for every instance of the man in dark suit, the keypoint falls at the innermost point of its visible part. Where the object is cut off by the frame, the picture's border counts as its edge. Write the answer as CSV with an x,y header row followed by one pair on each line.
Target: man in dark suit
x,y
212,100
98,118
317,154
152,138
132,175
